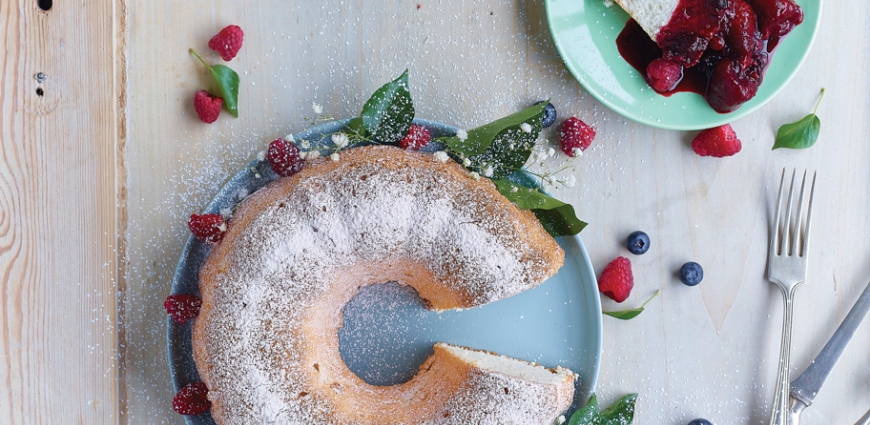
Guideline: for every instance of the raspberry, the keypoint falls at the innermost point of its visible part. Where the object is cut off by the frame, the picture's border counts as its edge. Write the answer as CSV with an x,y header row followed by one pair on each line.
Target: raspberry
x,y
284,158
735,81
208,107
719,142
417,137
616,280
743,36
208,228
182,307
192,399
575,134
227,42
663,75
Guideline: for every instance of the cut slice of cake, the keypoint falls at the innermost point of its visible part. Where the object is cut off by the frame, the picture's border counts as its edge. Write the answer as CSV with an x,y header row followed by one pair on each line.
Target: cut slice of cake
x,y
650,15
496,381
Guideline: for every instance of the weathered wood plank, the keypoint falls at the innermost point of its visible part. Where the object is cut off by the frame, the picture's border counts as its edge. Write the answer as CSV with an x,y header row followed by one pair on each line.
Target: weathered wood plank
x,y
58,213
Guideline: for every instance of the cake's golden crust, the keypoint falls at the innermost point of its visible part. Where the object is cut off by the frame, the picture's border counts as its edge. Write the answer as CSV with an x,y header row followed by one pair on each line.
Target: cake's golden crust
x,y
306,347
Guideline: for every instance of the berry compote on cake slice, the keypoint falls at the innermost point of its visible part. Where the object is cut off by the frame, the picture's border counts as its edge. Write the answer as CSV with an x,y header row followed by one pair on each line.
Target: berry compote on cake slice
x,y
717,48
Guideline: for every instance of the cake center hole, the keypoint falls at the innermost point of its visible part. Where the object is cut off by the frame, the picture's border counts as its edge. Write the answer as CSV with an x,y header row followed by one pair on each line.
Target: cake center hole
x,y
383,337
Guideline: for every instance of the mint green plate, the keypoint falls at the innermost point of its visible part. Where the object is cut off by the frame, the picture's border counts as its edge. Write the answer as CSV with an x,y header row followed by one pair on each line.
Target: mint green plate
x,y
585,31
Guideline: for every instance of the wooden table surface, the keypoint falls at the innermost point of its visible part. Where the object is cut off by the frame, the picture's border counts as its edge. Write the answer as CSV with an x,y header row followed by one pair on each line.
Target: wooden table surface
x,y
100,170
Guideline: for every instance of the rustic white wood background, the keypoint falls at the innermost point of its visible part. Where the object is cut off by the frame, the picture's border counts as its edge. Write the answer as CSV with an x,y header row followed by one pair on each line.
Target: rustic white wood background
x,y
100,173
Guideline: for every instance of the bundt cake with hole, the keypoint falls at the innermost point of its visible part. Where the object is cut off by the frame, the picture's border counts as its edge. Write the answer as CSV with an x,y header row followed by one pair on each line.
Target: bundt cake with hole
x,y
296,252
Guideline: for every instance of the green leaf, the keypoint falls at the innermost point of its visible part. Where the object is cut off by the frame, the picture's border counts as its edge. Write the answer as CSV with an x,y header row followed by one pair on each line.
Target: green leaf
x,y
356,126
228,84
557,217
800,134
508,151
560,221
621,412
480,138
526,198
588,415
387,115
630,314
625,314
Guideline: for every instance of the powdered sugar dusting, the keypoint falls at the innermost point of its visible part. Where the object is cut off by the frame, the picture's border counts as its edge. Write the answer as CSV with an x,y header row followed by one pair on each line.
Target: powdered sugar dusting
x,y
336,216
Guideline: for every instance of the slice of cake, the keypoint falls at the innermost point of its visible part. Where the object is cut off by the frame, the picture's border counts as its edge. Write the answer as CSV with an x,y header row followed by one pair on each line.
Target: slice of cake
x,y
650,15
521,383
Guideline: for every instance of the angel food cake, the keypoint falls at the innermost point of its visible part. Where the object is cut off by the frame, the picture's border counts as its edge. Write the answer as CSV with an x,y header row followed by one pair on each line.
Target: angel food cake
x,y
266,340
727,43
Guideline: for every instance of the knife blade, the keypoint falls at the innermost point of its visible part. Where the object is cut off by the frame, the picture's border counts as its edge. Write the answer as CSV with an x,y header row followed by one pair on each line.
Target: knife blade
x,y
807,385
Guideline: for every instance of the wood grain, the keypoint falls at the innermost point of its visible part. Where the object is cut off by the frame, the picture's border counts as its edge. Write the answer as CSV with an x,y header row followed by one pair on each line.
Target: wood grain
x,y
58,213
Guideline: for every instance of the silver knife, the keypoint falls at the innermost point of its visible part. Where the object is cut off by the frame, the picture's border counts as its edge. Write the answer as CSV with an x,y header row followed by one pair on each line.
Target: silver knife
x,y
806,386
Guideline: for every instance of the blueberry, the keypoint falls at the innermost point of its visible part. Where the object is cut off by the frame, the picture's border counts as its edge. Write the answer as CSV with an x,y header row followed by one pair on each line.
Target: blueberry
x,y
691,274
637,242
549,114
700,422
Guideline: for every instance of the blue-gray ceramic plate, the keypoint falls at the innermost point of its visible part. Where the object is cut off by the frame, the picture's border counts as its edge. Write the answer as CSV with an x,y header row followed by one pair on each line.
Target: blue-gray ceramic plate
x,y
556,324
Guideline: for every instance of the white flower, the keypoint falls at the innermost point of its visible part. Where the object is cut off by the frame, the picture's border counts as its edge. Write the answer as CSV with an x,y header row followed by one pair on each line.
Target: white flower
x,y
242,194
305,144
577,152
312,155
570,181
526,127
515,189
317,108
487,172
462,135
226,213
466,162
261,156
441,156
289,138
340,139
551,152
475,176
334,157
561,419
303,154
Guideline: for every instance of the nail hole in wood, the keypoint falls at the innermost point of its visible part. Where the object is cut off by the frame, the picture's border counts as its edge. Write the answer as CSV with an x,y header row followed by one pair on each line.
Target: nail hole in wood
x,y
39,91
44,5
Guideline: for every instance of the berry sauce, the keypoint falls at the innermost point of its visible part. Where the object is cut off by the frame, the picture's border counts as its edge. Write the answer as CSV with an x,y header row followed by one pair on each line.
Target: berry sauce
x,y
639,51
719,49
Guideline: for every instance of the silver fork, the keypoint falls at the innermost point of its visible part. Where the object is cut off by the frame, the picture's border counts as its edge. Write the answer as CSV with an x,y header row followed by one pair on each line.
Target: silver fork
x,y
787,268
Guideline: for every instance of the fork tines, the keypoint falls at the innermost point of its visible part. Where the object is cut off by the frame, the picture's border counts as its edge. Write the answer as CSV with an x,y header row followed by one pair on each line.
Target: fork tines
x,y
788,239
